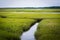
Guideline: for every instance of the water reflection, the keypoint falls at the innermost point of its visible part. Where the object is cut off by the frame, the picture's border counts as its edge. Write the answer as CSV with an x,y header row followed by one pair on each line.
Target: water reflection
x,y
29,35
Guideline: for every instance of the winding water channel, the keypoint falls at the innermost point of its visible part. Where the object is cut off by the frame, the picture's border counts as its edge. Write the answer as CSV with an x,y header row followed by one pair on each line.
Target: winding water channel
x,y
29,35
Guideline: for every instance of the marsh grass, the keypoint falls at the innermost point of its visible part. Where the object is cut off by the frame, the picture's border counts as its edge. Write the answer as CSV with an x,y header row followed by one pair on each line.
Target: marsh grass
x,y
28,10
13,28
48,29
13,22
31,15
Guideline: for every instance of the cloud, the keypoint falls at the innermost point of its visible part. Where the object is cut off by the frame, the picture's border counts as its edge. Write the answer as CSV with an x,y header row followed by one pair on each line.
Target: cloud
x,y
29,3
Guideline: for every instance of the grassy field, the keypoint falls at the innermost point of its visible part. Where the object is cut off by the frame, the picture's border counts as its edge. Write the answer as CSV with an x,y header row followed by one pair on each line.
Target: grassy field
x,y
13,22
48,29
13,28
32,15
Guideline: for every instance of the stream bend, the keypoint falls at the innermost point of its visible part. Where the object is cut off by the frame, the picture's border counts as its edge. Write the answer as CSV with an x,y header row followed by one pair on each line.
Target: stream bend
x,y
29,35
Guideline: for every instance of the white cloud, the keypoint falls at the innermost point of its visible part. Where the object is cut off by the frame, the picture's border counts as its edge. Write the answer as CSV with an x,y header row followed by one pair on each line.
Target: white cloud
x,y
28,3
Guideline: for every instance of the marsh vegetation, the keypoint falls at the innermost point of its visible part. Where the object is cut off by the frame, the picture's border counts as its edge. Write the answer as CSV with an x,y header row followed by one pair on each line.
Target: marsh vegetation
x,y
13,22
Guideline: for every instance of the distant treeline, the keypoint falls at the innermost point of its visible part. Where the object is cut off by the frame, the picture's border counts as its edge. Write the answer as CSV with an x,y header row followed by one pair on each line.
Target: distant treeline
x,y
52,7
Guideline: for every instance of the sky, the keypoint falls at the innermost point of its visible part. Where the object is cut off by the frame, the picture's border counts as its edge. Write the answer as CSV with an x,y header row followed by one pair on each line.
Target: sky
x,y
29,3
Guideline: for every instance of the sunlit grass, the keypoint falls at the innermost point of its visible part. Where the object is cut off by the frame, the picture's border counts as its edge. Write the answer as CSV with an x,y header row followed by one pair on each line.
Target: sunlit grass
x,y
13,28
13,22
36,15
48,29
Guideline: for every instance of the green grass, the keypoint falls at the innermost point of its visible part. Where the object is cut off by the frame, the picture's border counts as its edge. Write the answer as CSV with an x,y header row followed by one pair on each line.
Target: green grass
x,y
3,38
13,28
13,22
48,29
32,15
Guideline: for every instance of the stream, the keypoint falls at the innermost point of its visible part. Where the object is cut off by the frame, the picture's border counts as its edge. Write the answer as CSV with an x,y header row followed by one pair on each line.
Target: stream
x,y
29,35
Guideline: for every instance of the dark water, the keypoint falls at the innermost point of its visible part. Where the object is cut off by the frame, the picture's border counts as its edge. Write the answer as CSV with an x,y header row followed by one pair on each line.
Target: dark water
x,y
29,35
